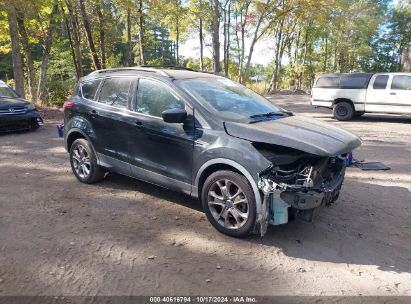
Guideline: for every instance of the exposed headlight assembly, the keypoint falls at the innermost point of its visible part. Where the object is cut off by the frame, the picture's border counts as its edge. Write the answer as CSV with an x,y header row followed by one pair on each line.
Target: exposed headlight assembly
x,y
30,107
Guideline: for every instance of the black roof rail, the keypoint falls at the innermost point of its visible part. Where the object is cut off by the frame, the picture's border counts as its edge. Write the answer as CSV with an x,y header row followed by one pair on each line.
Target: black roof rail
x,y
171,67
135,68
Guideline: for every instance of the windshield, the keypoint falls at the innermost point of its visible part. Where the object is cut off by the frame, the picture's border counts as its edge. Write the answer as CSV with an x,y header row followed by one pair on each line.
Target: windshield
x,y
6,91
230,100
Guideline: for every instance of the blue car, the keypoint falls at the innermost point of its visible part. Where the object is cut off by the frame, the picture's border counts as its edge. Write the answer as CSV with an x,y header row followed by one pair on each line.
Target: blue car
x,y
16,114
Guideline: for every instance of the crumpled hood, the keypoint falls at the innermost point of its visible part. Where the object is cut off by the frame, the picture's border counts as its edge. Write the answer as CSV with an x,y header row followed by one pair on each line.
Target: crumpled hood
x,y
6,102
298,132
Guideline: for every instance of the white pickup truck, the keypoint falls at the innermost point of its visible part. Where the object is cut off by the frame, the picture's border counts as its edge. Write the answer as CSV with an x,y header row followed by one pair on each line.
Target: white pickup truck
x,y
354,94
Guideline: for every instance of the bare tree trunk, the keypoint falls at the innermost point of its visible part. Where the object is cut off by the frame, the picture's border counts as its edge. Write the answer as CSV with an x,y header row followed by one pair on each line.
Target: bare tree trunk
x,y
297,45
177,36
76,37
201,46
304,59
101,24
141,31
406,61
228,40
215,28
129,57
70,38
27,53
241,61
257,34
237,40
227,20
87,28
46,53
326,54
341,62
225,37
243,20
278,55
252,45
15,51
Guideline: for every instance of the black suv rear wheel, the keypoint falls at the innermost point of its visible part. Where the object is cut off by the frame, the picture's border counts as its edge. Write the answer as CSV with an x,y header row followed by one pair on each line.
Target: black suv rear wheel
x,y
229,203
84,162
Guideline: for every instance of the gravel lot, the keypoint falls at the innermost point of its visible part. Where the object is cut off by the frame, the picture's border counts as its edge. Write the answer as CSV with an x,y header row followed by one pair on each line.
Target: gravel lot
x,y
125,237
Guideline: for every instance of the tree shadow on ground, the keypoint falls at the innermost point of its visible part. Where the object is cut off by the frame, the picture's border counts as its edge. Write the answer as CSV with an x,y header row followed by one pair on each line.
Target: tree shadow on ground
x,y
346,232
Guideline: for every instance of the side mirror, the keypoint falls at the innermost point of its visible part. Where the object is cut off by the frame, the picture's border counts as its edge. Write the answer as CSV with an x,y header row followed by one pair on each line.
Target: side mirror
x,y
174,115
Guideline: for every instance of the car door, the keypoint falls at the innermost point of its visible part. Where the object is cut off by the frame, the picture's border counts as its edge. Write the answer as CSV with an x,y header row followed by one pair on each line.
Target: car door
x,y
112,118
400,93
377,96
87,108
163,152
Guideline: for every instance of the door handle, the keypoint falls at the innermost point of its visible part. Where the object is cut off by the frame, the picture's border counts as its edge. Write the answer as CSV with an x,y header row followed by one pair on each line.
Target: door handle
x,y
392,93
138,123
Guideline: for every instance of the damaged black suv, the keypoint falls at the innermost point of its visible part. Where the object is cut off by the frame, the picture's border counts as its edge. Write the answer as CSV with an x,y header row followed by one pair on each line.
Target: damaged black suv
x,y
250,162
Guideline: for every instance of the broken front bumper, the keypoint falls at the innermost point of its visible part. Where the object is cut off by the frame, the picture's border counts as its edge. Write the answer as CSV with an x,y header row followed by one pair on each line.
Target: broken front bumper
x,y
279,197
313,198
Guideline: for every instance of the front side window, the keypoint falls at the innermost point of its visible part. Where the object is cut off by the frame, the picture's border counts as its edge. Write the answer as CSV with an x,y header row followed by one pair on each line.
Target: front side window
x,y
154,97
401,82
228,99
380,82
116,91
89,88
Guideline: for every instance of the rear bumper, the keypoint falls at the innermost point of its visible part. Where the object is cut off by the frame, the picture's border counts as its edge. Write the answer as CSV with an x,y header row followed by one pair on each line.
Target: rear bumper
x,y
322,103
20,122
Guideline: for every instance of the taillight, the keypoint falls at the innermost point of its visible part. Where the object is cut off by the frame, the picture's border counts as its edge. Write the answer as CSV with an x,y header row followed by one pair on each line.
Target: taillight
x,y
68,105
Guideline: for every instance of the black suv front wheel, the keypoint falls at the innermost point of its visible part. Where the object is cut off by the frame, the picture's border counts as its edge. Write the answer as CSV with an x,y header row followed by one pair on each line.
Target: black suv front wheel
x,y
84,162
229,203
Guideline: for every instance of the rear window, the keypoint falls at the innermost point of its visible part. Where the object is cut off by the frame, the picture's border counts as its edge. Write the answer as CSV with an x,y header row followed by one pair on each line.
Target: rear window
x,y
401,82
328,82
89,88
354,82
380,82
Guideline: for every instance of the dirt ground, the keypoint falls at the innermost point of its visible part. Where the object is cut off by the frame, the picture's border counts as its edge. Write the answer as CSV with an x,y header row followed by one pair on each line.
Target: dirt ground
x,y
125,237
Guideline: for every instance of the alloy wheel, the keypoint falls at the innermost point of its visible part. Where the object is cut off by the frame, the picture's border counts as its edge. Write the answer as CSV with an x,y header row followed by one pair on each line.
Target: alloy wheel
x,y
81,161
228,204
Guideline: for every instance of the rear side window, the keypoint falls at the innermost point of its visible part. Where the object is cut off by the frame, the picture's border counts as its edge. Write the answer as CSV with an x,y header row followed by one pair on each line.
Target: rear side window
x,y
354,82
328,82
401,82
380,82
116,91
89,88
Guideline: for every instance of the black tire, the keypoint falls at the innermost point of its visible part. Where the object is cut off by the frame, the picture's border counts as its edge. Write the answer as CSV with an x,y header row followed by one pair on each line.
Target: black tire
x,y
95,172
343,111
34,126
238,184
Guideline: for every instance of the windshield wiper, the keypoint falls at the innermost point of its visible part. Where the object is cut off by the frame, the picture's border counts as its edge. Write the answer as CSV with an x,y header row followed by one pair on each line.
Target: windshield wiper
x,y
269,114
